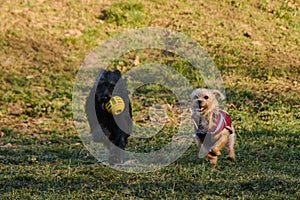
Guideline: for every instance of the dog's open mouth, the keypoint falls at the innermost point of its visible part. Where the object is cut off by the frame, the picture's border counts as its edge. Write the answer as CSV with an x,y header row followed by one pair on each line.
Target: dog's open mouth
x,y
201,108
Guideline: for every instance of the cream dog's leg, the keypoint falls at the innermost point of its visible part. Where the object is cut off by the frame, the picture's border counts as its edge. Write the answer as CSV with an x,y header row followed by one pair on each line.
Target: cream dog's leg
x,y
231,154
220,143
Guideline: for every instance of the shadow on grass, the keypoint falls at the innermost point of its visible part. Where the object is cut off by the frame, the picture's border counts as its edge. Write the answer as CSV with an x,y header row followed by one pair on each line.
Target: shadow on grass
x,y
267,166
164,184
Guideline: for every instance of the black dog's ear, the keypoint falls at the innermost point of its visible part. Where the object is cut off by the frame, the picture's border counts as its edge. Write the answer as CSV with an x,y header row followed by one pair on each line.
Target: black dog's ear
x,y
101,75
101,72
117,72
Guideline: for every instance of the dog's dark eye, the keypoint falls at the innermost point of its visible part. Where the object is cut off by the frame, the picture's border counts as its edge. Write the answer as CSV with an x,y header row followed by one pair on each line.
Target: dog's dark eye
x,y
206,97
195,97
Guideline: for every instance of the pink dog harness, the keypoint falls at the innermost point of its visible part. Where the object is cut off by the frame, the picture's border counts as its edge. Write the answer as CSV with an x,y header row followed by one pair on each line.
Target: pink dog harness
x,y
223,120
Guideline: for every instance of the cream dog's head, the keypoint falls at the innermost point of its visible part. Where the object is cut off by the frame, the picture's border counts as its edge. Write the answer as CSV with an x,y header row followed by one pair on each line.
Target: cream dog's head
x,y
204,101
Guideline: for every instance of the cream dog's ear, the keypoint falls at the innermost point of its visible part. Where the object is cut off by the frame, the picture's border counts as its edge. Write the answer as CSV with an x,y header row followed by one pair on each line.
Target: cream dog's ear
x,y
217,92
192,96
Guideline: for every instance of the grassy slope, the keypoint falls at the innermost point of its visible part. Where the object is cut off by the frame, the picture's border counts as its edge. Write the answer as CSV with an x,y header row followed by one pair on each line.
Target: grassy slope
x,y
254,44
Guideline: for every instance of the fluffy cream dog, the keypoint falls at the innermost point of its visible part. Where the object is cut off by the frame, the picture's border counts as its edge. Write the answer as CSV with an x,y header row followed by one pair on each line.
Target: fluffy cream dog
x,y
213,127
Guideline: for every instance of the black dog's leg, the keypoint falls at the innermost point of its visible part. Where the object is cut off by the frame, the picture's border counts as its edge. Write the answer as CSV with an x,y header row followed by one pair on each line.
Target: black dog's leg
x,y
122,141
117,152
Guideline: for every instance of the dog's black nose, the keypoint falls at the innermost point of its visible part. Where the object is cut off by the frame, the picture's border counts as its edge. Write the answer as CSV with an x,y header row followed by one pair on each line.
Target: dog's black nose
x,y
199,103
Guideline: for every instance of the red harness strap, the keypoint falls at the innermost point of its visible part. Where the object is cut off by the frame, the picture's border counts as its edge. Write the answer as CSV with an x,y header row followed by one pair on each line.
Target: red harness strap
x,y
223,120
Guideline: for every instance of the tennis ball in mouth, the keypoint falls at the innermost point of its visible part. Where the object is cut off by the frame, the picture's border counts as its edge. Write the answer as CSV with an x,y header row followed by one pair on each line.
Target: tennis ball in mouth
x,y
115,105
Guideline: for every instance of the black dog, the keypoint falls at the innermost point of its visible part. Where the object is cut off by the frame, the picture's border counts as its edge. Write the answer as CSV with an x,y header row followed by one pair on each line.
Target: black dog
x,y
116,128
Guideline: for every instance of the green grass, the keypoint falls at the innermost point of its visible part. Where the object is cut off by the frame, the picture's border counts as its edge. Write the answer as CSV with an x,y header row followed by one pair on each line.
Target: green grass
x,y
254,44
125,13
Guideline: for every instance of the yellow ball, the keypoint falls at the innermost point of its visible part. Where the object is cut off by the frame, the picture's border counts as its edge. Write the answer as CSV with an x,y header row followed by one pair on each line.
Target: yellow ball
x,y
115,105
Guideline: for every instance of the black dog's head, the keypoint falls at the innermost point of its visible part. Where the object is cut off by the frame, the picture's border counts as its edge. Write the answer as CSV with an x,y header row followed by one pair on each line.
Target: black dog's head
x,y
106,85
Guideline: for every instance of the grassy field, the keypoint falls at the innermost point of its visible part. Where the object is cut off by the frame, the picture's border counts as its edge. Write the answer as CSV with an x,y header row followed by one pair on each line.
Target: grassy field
x,y
255,45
